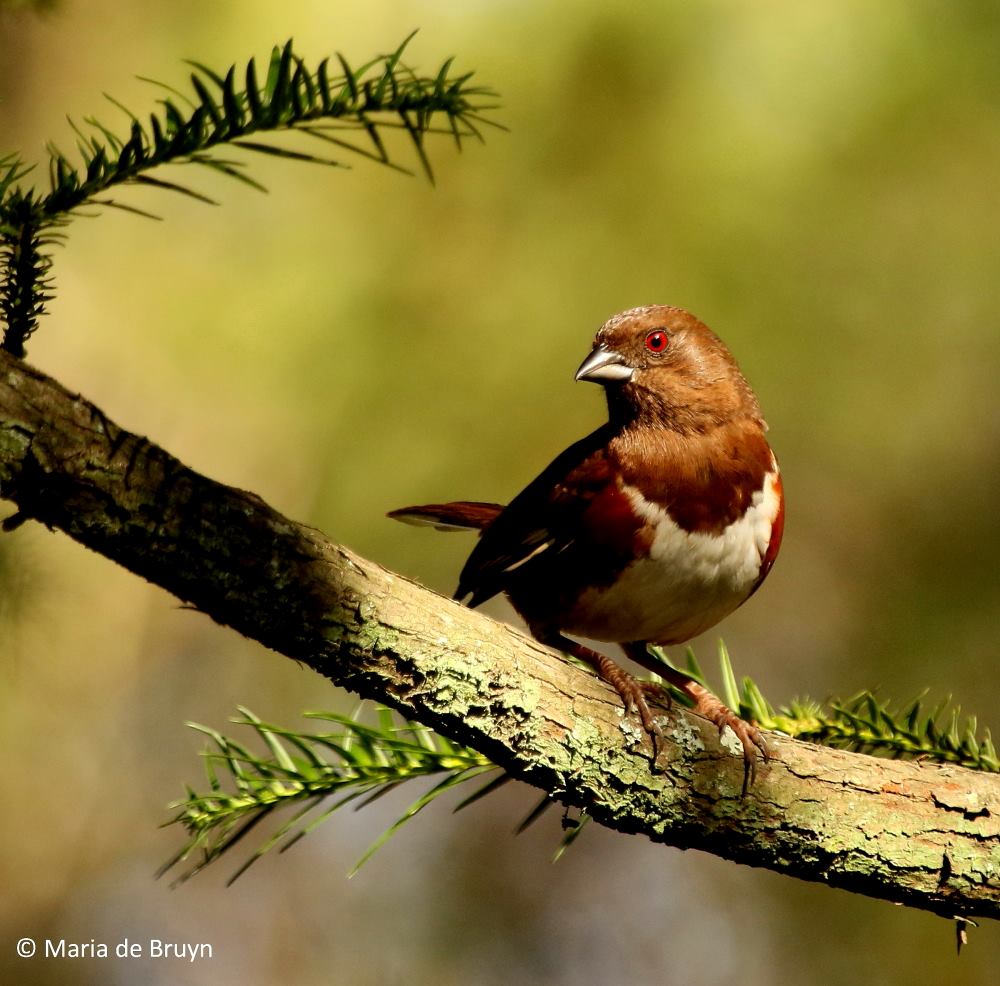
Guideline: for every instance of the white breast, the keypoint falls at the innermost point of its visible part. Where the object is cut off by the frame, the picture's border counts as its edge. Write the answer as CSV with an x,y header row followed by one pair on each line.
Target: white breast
x,y
687,583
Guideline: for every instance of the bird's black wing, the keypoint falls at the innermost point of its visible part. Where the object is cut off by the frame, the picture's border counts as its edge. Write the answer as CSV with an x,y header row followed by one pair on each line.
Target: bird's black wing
x,y
544,518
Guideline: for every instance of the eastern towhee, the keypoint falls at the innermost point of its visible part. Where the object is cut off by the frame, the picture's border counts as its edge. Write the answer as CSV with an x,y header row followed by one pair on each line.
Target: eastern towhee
x,y
651,529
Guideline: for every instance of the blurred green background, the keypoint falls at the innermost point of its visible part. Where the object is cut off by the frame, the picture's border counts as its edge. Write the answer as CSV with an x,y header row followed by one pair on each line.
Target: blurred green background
x,y
819,182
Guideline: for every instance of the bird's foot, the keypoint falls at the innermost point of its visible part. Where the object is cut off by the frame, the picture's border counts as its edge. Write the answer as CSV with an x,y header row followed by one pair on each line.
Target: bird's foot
x,y
751,738
708,705
632,691
656,693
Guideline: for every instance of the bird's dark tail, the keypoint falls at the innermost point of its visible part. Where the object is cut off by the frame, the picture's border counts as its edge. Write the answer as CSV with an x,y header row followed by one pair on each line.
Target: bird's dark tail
x,y
462,515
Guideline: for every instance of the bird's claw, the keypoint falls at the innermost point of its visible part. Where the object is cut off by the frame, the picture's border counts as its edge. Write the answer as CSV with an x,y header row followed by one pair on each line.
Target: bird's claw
x,y
633,695
657,693
750,737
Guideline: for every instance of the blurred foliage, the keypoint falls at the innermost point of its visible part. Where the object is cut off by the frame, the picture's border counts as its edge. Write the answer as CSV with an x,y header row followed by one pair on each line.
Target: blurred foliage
x,y
40,6
15,587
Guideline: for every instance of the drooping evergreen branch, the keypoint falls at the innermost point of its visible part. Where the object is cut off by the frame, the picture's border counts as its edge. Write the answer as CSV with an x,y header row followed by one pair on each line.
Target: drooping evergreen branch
x,y
305,769
925,835
349,111
314,774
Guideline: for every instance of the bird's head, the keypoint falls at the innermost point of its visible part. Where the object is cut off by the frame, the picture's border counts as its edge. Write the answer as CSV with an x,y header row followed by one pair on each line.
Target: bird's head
x,y
660,365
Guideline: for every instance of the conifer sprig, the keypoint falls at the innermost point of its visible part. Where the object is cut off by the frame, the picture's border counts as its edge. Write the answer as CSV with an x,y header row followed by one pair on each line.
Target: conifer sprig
x,y
348,110
864,723
303,770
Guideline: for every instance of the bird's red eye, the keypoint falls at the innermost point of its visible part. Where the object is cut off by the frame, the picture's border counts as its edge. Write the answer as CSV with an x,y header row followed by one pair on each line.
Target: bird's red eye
x,y
656,341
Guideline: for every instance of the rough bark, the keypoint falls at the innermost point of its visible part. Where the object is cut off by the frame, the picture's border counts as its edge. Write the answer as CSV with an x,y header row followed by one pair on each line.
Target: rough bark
x,y
923,835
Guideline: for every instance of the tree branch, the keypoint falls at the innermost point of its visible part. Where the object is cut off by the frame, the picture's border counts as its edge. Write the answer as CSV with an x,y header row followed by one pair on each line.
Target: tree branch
x,y
923,835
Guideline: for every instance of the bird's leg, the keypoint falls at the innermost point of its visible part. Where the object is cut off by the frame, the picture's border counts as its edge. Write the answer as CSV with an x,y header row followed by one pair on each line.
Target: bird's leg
x,y
633,692
708,705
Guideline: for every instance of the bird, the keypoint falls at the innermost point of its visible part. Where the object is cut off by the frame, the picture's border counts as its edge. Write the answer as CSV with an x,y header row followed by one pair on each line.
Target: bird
x,y
648,531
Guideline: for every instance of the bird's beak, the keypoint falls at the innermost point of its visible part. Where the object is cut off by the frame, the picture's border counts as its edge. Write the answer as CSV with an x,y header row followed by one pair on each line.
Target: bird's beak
x,y
604,366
